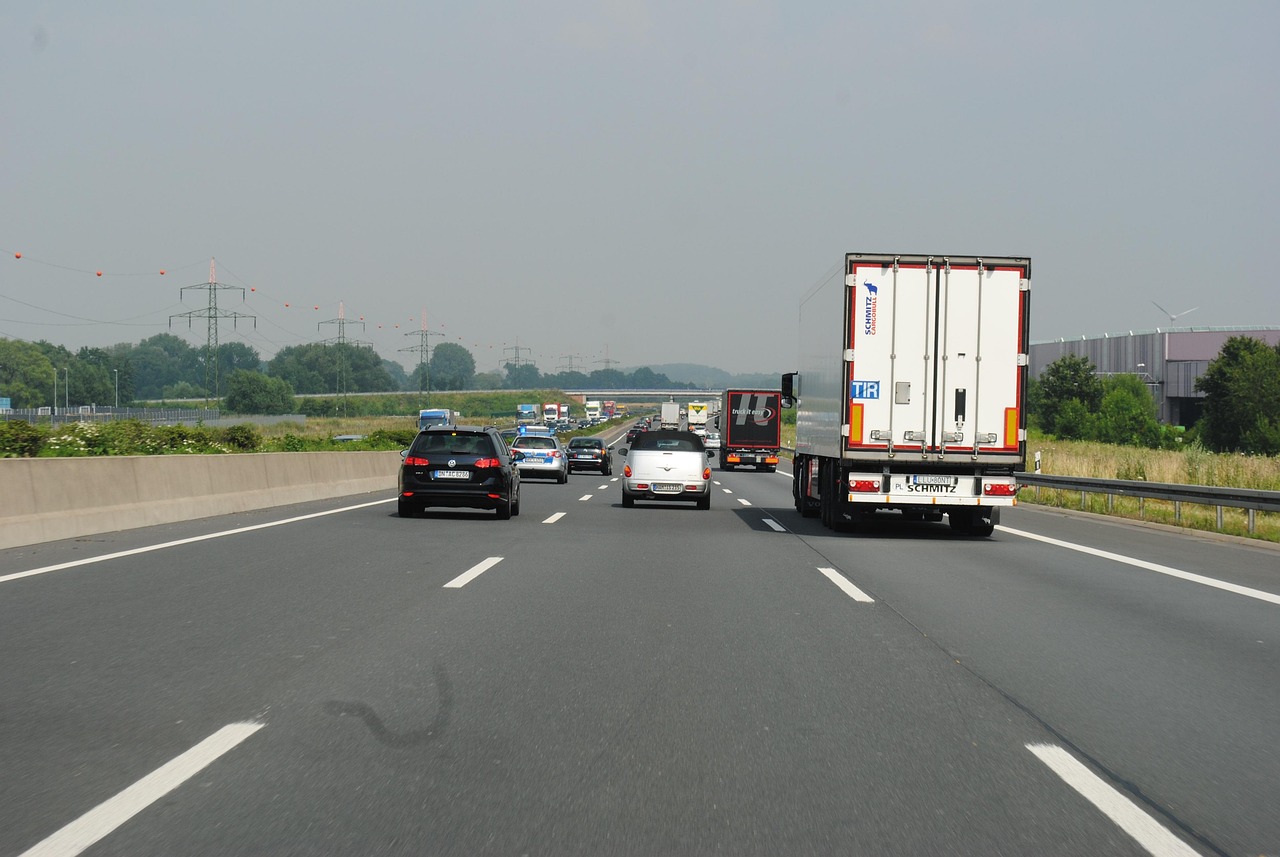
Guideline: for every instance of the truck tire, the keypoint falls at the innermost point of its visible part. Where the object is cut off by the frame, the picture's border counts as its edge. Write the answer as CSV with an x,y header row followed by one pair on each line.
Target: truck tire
x,y
826,494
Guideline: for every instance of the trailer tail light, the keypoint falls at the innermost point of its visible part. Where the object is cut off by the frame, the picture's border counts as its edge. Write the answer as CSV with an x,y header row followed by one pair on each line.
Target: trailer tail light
x,y
1000,489
482,463
733,459
772,459
415,461
866,486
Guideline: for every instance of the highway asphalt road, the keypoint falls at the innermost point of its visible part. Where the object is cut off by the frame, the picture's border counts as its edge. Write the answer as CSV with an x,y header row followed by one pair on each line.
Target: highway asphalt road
x,y
585,679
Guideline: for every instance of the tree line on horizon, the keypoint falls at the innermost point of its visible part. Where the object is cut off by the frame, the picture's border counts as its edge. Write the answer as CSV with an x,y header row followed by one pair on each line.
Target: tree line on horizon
x,y
166,367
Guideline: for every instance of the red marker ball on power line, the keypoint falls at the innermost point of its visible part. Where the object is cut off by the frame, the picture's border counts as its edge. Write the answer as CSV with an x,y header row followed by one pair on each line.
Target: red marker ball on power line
x,y
162,272
17,255
99,273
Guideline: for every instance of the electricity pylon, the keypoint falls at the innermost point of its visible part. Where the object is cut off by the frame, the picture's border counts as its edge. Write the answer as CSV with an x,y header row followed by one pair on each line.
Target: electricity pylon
x,y
212,314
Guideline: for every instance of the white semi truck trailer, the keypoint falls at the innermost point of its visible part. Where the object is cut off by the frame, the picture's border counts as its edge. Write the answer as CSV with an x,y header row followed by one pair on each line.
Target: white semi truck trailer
x,y
911,391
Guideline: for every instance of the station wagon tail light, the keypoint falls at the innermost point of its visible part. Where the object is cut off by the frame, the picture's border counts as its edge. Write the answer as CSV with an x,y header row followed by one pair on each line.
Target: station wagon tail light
x,y
869,486
416,461
487,462
1000,489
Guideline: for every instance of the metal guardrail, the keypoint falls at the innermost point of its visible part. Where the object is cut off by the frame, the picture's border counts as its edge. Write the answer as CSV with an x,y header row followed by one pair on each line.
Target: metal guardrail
x,y
1251,499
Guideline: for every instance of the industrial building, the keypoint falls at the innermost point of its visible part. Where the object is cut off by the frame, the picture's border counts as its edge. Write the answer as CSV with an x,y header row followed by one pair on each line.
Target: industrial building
x,y
1168,360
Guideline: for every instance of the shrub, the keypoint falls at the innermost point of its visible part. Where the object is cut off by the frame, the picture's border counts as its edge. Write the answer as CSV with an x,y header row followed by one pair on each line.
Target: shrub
x,y
20,439
243,437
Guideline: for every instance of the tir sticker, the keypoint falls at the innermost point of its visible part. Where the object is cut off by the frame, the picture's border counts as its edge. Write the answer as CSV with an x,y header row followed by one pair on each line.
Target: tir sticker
x,y
864,389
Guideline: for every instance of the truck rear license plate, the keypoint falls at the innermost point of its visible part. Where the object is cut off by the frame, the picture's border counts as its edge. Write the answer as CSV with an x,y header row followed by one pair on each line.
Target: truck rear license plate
x,y
933,480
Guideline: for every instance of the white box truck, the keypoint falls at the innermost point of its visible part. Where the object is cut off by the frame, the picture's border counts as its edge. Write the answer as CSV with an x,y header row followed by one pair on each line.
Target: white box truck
x,y
670,415
697,416
911,390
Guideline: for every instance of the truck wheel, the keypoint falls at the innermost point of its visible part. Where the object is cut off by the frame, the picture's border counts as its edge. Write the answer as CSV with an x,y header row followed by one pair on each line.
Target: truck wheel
x,y
960,520
984,520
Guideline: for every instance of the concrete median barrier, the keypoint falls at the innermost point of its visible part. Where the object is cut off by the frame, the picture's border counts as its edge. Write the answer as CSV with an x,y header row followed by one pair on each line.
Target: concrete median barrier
x,y
46,499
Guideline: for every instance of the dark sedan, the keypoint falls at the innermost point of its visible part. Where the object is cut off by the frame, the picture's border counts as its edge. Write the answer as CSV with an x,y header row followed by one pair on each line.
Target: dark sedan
x,y
589,453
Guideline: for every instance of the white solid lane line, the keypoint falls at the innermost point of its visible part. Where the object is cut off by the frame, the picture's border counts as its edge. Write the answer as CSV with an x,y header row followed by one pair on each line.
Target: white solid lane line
x,y
846,587
1150,566
472,573
106,817
1115,806
774,525
557,516
192,540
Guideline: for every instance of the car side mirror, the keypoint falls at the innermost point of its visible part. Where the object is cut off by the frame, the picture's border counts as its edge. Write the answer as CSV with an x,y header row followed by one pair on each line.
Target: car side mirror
x,y
404,453
711,453
622,451
517,455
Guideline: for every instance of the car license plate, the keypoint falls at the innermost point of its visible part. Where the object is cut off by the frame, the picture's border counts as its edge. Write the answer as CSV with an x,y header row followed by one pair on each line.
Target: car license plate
x,y
586,456
452,474
933,480
534,459
667,486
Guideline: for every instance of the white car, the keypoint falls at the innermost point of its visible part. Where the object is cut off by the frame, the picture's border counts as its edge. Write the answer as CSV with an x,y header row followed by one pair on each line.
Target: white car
x,y
712,440
666,465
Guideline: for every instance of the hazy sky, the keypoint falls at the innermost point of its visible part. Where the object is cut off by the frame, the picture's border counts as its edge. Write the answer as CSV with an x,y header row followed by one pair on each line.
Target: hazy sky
x,y
655,181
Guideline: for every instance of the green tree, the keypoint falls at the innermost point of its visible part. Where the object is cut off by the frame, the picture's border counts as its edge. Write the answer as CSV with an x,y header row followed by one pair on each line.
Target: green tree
x,y
26,374
523,377
452,367
1127,415
163,361
333,368
487,381
1064,379
255,393
1242,398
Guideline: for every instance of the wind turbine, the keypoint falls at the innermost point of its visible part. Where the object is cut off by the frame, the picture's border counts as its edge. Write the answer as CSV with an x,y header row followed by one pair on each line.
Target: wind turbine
x,y
1174,316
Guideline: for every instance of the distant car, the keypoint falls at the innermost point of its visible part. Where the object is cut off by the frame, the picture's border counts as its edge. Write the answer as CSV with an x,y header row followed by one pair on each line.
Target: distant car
x,y
589,453
459,466
666,465
543,456
712,440
632,434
